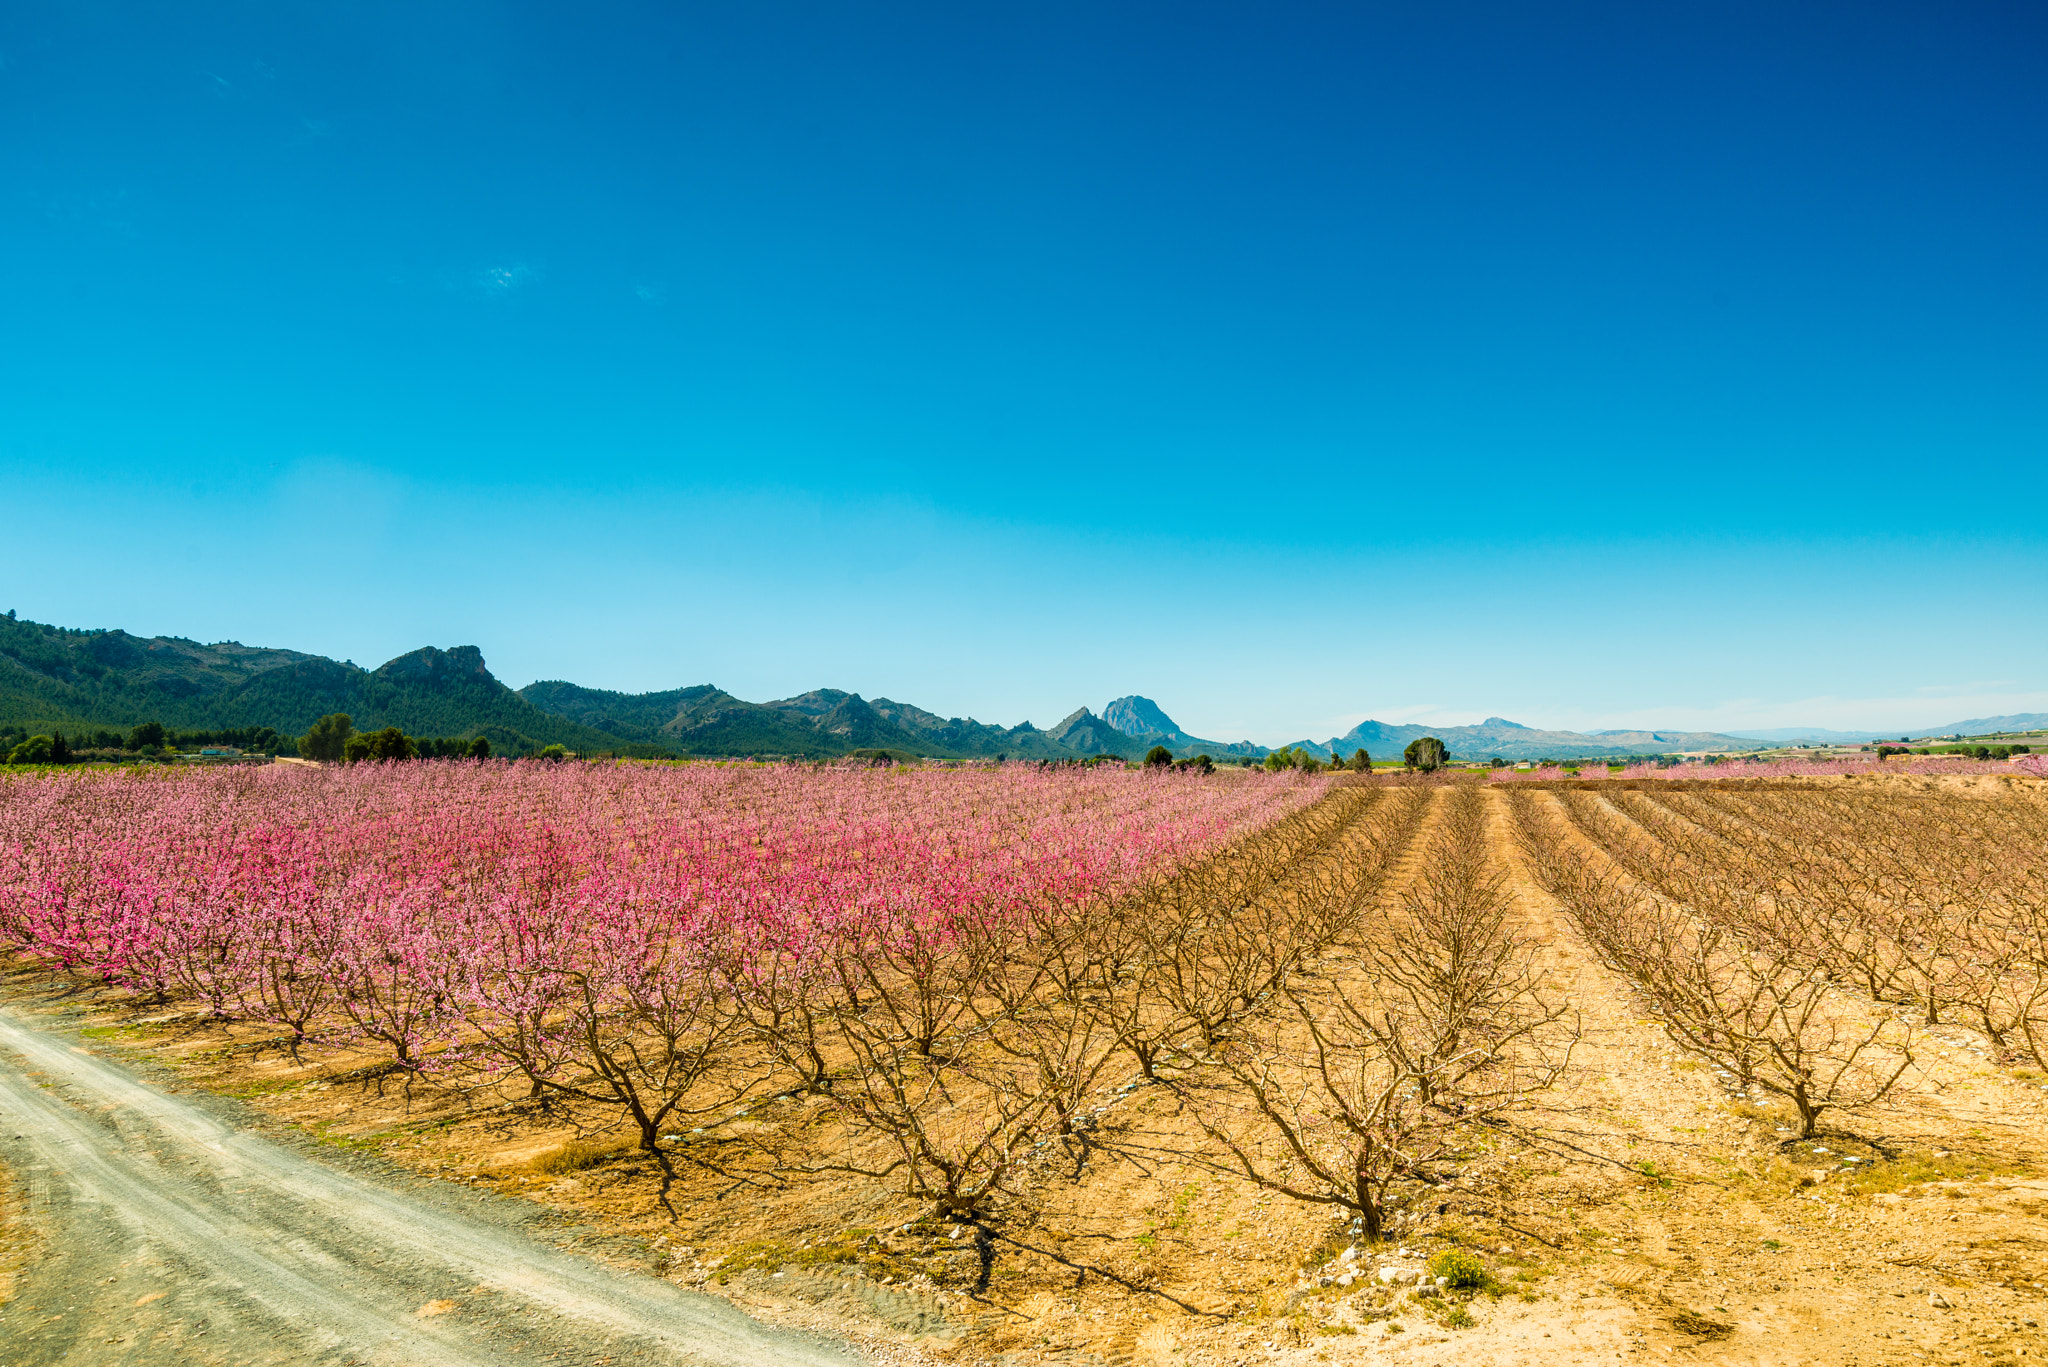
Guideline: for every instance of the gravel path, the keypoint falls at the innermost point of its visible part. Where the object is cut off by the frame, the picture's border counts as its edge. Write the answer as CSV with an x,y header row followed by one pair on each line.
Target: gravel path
x,y
167,1233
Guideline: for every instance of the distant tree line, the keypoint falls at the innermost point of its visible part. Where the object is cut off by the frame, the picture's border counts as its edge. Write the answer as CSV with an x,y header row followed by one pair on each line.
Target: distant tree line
x,y
1159,757
334,738
154,734
1965,751
1297,757
149,739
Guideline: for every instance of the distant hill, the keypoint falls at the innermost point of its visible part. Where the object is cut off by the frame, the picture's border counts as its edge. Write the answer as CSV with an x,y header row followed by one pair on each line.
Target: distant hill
x,y
1976,726
1146,724
1785,735
54,678
57,678
1979,726
1084,732
1136,716
702,719
1497,736
824,722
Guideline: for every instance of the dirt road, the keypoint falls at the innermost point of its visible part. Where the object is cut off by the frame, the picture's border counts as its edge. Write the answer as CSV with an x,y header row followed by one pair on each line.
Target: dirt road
x,y
165,1232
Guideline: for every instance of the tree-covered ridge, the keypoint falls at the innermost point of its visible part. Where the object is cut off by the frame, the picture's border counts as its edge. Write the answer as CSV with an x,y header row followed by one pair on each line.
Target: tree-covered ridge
x,y
706,720
56,679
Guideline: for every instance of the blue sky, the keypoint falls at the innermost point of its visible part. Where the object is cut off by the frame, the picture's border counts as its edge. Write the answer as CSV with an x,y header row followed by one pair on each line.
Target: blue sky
x,y
1585,364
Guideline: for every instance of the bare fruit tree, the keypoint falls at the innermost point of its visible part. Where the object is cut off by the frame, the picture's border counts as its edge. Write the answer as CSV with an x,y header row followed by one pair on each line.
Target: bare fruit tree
x,y
1763,1012
1377,1069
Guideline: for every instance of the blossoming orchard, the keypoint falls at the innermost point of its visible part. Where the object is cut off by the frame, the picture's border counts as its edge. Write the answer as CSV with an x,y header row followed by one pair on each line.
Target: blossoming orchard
x,y
1361,995
623,929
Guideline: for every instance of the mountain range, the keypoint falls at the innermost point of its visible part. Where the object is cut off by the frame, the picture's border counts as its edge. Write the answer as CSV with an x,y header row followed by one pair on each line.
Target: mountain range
x,y
57,678
1499,737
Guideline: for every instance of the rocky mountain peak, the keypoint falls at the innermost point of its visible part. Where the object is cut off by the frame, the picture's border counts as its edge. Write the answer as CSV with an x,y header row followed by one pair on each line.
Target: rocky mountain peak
x,y
1136,716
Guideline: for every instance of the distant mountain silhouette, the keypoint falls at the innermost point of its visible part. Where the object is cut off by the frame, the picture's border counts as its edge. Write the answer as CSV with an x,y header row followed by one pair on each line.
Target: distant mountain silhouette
x,y
1978,726
52,678
56,678
1147,724
1499,737
825,722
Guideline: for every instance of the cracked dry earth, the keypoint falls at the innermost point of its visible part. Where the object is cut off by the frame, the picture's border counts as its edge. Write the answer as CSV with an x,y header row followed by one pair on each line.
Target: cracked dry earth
x,y
1653,1216
159,1231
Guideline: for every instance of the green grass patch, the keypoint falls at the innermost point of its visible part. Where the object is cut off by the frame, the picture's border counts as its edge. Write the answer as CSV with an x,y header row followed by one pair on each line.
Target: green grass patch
x,y
857,1245
1915,1169
274,1087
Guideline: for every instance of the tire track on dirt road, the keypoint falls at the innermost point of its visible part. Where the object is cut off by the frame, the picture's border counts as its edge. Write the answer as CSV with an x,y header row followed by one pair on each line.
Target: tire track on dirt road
x,y
170,1236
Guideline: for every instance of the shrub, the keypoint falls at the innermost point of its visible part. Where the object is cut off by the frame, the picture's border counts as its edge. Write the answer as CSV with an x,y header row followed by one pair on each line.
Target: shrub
x,y
1460,1268
34,750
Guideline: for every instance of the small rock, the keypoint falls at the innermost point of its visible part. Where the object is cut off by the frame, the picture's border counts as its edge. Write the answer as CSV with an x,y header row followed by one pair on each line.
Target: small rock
x,y
1443,1283
1891,1198
1937,1300
1389,1276
1347,1279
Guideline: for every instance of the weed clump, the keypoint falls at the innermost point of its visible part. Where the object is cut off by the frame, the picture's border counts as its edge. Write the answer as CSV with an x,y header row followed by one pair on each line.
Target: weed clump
x,y
578,1155
861,1248
1699,1326
1462,1270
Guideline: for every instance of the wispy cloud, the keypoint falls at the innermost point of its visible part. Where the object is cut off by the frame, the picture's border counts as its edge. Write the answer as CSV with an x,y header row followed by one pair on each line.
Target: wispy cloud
x,y
505,278
1979,688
